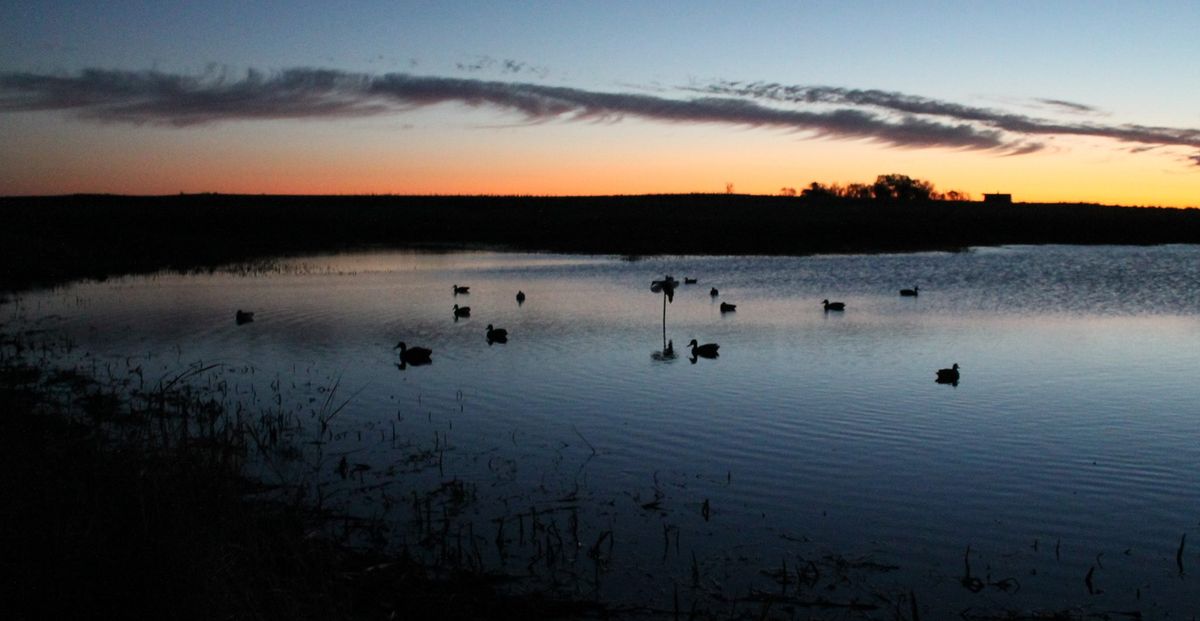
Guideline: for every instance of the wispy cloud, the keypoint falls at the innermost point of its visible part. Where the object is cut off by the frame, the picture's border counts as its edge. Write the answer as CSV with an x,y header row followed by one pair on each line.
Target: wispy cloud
x,y
895,119
1069,106
1008,123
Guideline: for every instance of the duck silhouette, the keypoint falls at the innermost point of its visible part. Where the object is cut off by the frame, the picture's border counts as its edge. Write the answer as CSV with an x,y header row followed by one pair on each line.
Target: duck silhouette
x,y
496,335
463,290
910,293
461,311
707,350
834,306
241,317
415,356
520,297
726,307
713,292
689,281
948,376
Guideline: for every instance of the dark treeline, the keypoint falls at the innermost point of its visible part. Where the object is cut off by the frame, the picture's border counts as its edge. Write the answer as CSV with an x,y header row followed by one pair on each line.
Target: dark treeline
x,y
47,240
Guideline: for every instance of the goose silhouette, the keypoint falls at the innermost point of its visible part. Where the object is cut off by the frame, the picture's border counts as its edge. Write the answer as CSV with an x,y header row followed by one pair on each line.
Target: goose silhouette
x,y
241,317
496,335
948,376
726,307
520,297
910,293
415,356
462,290
713,292
834,306
461,311
707,350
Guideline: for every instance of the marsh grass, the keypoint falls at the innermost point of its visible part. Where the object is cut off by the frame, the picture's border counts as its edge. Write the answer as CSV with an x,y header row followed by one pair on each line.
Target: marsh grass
x,y
129,499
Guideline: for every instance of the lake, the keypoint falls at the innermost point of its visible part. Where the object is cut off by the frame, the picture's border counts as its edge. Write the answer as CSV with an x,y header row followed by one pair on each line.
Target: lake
x,y
579,455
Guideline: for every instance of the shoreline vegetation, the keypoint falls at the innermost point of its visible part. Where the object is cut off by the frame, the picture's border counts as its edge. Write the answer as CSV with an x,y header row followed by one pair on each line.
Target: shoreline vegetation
x,y
128,498
46,241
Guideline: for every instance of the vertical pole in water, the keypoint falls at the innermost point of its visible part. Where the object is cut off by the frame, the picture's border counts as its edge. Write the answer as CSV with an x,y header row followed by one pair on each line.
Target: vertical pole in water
x,y
664,320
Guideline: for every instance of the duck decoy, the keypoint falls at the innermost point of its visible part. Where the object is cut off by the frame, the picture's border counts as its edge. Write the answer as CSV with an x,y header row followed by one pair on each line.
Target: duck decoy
x,y
713,292
910,293
948,376
461,311
726,307
520,297
707,350
496,335
462,290
834,306
242,317
689,281
415,356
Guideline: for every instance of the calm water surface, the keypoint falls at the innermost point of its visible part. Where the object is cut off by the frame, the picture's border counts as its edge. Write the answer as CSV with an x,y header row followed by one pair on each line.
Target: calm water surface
x,y
1071,441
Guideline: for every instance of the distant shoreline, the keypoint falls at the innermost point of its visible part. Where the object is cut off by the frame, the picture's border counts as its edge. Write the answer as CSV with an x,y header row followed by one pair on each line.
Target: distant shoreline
x,y
46,241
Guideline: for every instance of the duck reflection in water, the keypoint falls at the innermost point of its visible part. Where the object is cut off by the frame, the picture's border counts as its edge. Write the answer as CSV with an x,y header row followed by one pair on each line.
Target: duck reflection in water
x,y
948,376
496,335
707,350
667,354
416,356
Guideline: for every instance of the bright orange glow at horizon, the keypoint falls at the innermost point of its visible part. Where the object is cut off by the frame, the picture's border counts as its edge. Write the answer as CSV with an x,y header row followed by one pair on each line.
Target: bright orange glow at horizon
x,y
629,157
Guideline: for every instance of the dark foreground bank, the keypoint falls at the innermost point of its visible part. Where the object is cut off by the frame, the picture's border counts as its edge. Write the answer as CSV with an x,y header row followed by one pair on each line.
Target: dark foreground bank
x,y
48,240
110,511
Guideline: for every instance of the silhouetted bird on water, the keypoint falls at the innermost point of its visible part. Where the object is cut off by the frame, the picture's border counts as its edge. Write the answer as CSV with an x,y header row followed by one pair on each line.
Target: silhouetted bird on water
x,y
689,281
496,335
726,307
242,317
910,293
461,311
520,297
416,356
948,376
834,306
707,350
463,290
713,292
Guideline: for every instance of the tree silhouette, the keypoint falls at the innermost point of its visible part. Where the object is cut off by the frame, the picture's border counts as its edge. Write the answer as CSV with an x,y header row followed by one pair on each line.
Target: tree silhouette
x,y
901,188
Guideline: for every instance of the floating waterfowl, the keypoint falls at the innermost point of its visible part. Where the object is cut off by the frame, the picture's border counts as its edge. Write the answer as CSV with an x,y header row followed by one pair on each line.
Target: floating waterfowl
x,y
242,317
461,311
415,356
713,292
726,307
707,350
689,281
462,290
520,297
948,376
834,306
910,293
496,335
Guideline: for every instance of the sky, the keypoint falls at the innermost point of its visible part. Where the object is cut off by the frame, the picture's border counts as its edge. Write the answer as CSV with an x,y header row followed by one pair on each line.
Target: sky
x,y
1051,101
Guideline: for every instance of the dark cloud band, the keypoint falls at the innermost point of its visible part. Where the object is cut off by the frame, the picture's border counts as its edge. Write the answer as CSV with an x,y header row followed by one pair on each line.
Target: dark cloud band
x,y
950,112
894,119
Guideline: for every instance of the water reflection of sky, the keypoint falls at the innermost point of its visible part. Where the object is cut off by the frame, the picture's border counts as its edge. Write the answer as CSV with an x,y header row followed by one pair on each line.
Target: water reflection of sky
x,y
1074,420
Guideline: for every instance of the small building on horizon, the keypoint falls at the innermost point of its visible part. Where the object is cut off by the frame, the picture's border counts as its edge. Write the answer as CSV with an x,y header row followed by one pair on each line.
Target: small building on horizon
x,y
1004,199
